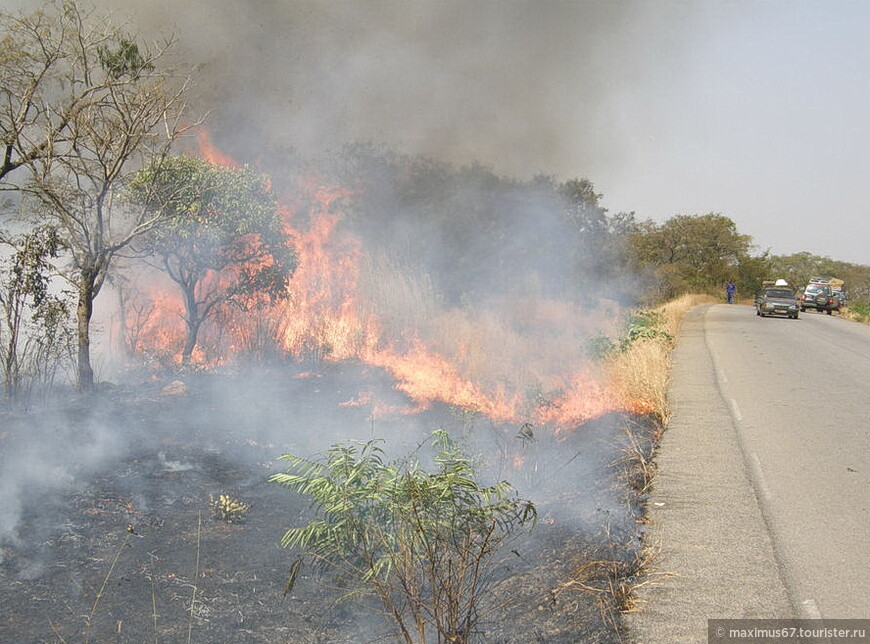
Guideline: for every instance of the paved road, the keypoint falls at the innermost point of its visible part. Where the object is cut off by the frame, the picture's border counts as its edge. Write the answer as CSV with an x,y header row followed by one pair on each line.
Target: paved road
x,y
762,507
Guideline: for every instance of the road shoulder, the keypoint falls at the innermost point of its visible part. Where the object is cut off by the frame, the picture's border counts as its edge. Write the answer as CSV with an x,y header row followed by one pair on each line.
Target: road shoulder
x,y
715,557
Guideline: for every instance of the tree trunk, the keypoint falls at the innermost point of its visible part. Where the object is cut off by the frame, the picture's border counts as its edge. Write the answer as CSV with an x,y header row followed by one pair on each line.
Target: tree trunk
x,y
192,324
84,311
189,344
11,366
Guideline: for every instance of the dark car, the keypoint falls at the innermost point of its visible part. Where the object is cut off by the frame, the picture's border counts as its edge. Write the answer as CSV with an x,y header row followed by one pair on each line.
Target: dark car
x,y
819,297
777,301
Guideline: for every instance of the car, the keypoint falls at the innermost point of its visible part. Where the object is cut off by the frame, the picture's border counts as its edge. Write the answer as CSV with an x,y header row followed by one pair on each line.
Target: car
x,y
819,297
841,299
777,301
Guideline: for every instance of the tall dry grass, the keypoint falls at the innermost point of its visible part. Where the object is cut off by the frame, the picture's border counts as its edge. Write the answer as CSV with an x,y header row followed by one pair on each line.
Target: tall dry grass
x,y
521,344
517,345
641,373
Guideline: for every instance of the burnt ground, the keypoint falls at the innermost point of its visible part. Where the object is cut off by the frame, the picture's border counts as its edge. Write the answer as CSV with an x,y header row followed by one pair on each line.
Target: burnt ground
x,y
76,480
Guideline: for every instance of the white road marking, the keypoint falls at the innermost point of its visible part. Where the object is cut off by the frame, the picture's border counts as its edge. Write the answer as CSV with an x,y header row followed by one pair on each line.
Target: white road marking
x,y
735,410
758,475
810,609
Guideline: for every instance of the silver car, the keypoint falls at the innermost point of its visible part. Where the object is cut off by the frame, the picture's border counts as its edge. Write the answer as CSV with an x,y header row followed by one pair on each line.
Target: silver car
x,y
777,301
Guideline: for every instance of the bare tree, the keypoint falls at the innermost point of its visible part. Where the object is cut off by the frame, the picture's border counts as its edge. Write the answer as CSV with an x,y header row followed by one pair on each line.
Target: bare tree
x,y
93,108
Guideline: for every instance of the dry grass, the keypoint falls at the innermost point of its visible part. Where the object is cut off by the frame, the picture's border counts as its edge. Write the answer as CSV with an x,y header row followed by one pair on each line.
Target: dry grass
x,y
642,372
515,344
857,312
674,311
636,455
516,347
614,584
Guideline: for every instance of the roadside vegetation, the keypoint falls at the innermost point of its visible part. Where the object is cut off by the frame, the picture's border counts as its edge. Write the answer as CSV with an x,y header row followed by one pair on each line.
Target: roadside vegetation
x,y
640,362
93,178
857,311
422,543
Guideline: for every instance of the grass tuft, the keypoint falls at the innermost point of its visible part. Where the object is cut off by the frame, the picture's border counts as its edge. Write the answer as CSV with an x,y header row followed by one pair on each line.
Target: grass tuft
x,y
641,371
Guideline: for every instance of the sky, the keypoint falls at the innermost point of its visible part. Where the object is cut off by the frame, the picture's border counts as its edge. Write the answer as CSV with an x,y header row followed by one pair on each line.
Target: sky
x,y
757,110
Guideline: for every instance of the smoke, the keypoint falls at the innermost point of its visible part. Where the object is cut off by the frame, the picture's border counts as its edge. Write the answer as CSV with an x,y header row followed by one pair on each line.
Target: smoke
x,y
44,456
479,272
517,85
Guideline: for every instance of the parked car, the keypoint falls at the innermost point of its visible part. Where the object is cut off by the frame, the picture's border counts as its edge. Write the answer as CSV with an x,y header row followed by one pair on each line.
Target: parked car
x,y
819,297
777,301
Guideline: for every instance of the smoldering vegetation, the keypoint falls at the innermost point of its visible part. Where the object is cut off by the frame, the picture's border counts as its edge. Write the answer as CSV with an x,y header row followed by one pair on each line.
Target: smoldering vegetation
x,y
428,296
107,498
116,538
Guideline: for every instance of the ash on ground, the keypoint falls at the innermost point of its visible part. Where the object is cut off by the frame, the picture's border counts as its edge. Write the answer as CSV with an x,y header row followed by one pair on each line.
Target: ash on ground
x,y
108,513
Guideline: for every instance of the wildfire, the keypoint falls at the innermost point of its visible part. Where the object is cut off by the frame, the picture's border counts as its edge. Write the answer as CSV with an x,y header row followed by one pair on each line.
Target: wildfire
x,y
322,317
209,152
325,317
584,398
426,377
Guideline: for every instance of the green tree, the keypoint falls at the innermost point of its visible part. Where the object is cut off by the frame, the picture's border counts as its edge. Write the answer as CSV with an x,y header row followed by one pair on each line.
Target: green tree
x,y
84,107
800,267
692,253
222,239
421,543
583,208
34,319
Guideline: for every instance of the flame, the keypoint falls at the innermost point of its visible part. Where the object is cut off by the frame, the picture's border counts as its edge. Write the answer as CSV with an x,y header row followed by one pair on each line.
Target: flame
x,y
209,152
426,377
325,317
585,398
322,316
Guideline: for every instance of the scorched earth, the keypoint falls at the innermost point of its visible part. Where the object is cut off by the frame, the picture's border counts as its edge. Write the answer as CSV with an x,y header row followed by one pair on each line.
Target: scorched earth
x,y
108,533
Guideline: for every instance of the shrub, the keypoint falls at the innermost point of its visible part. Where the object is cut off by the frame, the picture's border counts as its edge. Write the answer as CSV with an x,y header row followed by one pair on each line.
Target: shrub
x,y
859,311
600,346
421,543
644,325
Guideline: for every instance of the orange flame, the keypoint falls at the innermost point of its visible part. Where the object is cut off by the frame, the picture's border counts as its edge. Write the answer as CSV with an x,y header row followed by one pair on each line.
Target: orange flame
x,y
209,152
325,319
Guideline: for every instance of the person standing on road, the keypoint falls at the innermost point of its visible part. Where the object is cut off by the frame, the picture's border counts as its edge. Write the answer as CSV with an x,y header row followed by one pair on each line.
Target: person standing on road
x,y
729,290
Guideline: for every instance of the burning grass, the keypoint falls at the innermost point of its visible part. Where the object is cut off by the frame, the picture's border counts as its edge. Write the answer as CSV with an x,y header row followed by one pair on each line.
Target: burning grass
x,y
179,569
512,352
364,346
641,372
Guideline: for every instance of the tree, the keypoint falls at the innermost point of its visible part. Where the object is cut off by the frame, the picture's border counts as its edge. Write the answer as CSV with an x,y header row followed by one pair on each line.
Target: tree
x,y
222,240
583,208
29,68
38,111
693,253
85,108
34,319
421,543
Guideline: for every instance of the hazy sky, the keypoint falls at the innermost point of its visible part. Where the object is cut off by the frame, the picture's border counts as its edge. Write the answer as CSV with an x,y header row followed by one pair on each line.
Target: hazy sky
x,y
754,109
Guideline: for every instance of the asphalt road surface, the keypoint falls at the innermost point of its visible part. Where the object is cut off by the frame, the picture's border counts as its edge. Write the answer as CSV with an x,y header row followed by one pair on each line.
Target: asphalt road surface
x,y
762,506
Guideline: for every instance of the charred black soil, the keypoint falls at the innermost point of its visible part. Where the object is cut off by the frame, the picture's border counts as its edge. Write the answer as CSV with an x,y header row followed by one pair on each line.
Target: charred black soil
x,y
108,534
